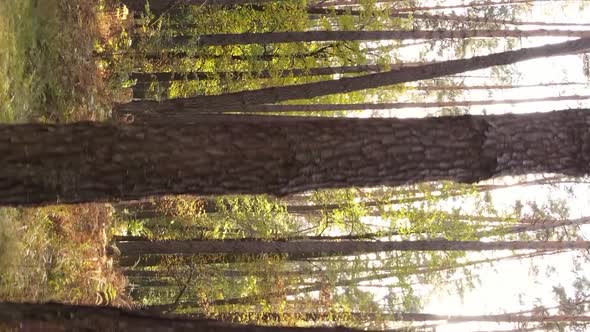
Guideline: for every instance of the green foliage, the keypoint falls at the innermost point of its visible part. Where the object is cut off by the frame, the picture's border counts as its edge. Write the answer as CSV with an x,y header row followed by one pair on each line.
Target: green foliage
x,y
250,60
346,218
255,216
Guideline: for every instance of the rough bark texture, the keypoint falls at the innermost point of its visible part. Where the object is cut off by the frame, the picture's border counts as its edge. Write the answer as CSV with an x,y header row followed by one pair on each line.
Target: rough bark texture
x,y
242,100
61,317
223,154
344,247
319,36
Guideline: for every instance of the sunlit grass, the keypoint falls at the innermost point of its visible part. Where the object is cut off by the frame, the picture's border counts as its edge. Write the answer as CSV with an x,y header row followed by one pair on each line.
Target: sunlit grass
x,y
46,69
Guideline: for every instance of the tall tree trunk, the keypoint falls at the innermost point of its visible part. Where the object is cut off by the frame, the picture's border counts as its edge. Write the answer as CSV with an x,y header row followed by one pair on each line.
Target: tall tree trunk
x,y
237,75
320,36
147,260
146,210
222,154
146,274
160,6
540,226
240,100
461,87
341,317
319,53
399,105
63,317
442,17
254,299
473,4
343,247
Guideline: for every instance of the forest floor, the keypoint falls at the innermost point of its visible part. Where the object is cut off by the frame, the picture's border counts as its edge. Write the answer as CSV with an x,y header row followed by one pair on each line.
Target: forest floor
x,y
49,74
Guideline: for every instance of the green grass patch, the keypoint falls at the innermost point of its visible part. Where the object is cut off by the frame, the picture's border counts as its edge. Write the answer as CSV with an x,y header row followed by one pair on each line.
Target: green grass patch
x,y
46,67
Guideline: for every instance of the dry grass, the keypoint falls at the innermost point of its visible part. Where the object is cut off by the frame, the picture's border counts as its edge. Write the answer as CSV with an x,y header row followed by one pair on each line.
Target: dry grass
x,y
85,227
57,253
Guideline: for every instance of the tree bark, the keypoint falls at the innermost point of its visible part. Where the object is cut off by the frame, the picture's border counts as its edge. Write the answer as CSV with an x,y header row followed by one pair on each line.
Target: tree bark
x,y
159,6
485,3
540,226
318,53
343,247
146,210
442,17
240,100
223,154
321,36
156,260
252,316
254,299
461,87
319,71
399,105
62,317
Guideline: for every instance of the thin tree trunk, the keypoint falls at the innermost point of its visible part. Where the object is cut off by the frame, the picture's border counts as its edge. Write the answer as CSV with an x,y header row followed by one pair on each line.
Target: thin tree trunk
x,y
401,105
160,6
179,55
143,273
319,53
344,247
304,209
277,317
239,100
491,86
539,226
62,317
341,317
399,270
442,17
146,210
85,162
147,260
254,299
321,36
539,328
237,75
140,261
156,283
487,3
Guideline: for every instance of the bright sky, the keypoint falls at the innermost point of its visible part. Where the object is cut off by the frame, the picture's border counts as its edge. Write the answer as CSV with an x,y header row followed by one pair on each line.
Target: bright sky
x,y
509,286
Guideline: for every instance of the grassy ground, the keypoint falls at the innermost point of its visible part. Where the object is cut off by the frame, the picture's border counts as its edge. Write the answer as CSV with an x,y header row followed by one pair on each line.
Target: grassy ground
x,y
57,253
48,74
46,61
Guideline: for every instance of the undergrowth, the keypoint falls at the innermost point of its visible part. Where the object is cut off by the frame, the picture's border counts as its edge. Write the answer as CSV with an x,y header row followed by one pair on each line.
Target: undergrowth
x,y
46,65
48,74
57,253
